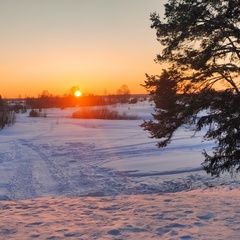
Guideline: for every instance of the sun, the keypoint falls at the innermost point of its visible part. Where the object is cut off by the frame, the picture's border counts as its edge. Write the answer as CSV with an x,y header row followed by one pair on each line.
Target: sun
x,y
78,93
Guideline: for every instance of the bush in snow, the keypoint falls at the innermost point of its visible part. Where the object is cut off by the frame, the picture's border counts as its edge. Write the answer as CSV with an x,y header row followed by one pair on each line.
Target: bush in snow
x,y
101,113
37,113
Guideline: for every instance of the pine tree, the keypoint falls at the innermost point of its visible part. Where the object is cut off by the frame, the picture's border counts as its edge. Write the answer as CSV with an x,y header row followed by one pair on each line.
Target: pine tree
x,y
200,42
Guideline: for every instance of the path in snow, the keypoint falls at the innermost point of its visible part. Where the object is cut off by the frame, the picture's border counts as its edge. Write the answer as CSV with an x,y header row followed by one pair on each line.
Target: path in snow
x,y
37,170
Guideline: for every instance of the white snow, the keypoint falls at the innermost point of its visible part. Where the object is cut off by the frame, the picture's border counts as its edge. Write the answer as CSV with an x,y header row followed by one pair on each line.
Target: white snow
x,y
64,178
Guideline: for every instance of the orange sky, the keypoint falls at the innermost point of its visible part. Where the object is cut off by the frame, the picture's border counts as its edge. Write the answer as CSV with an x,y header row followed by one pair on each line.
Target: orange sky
x,y
96,45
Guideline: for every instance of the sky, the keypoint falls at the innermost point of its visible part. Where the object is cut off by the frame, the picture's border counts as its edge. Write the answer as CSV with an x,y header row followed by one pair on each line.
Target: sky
x,y
96,45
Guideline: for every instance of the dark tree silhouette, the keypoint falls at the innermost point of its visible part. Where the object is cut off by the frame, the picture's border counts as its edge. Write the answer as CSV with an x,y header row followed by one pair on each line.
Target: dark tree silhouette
x,y
200,42
7,115
123,94
1,103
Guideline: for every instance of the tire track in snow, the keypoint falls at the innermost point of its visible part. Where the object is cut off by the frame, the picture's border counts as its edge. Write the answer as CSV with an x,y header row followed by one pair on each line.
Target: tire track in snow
x,y
57,175
47,171
22,184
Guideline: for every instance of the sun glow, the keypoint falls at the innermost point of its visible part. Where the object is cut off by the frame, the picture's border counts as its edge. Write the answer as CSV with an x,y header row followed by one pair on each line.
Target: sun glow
x,y
78,93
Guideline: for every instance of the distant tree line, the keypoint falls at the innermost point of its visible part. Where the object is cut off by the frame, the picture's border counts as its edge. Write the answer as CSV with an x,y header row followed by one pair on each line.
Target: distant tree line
x,y
47,100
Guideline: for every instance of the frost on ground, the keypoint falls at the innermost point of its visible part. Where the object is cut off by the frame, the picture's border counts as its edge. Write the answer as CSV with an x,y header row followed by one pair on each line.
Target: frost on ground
x,y
62,177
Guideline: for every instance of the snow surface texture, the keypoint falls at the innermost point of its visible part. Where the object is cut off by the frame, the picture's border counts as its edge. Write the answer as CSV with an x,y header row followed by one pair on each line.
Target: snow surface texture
x,y
105,179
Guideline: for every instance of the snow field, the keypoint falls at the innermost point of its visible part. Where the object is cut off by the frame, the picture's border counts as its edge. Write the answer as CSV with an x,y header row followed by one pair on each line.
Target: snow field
x,y
64,178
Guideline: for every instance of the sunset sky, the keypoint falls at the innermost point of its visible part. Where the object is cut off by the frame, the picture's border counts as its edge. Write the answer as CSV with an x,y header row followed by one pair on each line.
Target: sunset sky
x,y
97,45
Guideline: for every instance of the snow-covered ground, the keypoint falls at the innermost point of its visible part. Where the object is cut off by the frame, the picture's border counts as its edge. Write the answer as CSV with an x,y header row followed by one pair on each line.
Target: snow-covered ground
x,y
64,178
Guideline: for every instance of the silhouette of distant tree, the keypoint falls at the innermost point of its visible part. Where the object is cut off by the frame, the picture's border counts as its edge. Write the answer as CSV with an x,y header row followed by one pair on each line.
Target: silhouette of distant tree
x,y
123,93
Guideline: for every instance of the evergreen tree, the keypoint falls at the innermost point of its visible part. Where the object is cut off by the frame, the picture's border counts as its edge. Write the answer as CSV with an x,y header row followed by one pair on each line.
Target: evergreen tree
x,y
200,42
